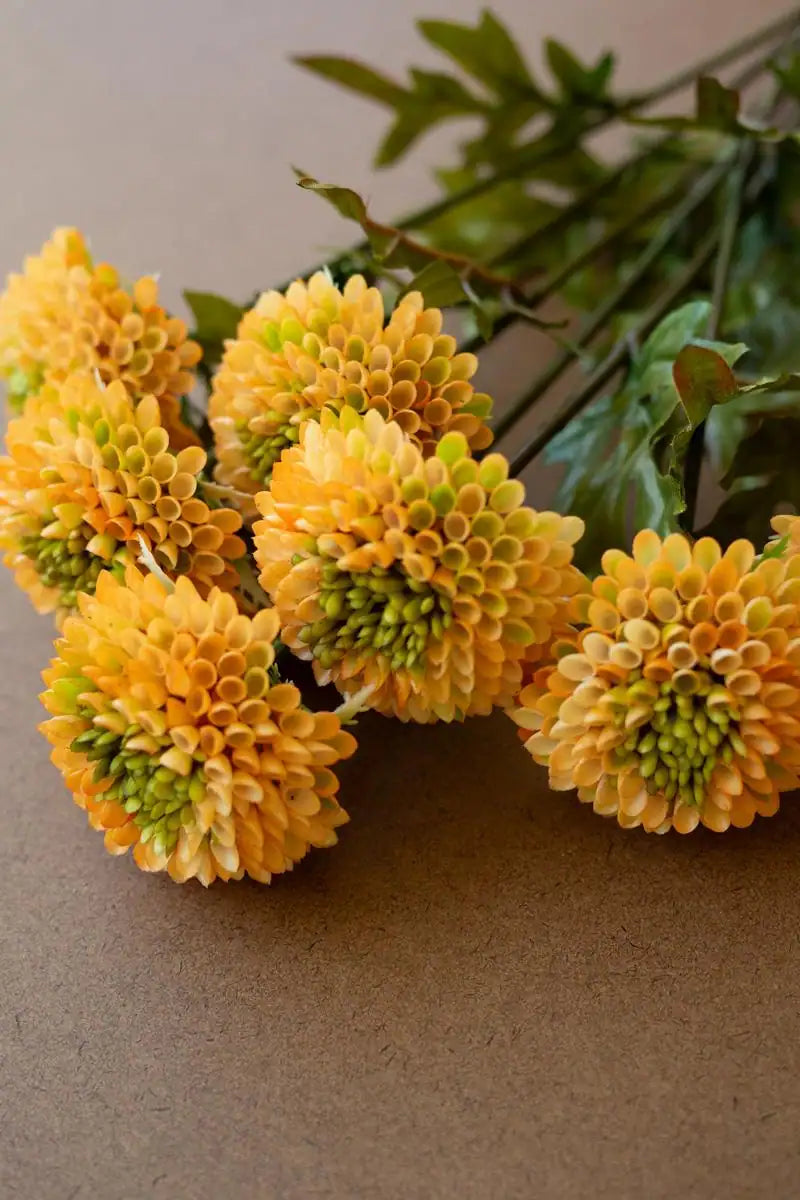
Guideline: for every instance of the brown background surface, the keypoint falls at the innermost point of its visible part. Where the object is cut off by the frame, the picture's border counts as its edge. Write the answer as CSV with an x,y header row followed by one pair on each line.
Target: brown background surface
x,y
485,991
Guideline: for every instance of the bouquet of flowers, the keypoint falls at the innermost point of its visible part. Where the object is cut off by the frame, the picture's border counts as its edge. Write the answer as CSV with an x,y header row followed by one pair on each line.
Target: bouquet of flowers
x,y
251,532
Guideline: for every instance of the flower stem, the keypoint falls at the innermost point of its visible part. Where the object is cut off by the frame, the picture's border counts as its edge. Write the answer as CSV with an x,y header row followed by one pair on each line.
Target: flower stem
x,y
622,349
701,190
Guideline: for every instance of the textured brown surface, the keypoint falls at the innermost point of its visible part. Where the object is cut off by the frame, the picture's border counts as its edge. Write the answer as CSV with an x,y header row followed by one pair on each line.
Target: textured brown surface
x,y
485,992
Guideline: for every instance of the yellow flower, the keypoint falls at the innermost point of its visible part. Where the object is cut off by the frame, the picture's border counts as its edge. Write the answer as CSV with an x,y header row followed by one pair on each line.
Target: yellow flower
x,y
787,534
420,578
174,733
88,473
66,314
675,700
317,347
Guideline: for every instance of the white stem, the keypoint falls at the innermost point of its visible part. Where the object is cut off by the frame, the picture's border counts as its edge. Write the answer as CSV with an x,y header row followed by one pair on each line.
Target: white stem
x,y
147,560
349,709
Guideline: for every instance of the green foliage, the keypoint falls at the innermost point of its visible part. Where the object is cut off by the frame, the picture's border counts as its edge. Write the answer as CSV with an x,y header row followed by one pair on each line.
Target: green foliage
x,y
444,280
717,108
579,83
530,213
624,454
215,319
496,86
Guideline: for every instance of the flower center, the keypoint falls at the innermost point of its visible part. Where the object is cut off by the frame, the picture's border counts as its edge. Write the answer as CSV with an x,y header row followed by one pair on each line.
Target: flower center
x,y
262,451
683,729
160,801
382,611
65,563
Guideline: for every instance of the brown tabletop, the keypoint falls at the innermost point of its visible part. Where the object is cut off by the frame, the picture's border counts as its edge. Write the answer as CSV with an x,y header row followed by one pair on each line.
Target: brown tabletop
x,y
483,991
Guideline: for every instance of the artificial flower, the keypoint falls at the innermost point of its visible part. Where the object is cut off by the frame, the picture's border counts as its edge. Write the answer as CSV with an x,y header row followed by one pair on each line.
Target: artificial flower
x,y
89,478
175,734
421,580
316,347
675,700
65,313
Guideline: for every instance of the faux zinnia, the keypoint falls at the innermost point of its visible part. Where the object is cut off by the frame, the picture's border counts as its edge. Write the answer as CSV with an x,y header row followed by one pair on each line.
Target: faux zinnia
x,y
675,701
315,347
173,731
65,313
419,579
89,476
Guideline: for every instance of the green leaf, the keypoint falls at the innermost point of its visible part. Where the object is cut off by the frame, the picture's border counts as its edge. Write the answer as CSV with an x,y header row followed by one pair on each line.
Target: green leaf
x,y
431,98
356,76
485,227
788,75
578,82
441,286
215,319
718,108
634,441
434,98
703,378
457,281
763,477
487,52
387,243
717,105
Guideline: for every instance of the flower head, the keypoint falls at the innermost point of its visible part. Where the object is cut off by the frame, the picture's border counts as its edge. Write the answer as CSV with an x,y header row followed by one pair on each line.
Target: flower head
x,y
89,473
422,578
675,699
65,314
786,536
317,347
174,733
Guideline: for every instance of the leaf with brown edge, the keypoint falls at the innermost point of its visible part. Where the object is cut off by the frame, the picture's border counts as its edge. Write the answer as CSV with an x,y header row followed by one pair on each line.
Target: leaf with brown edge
x,y
703,378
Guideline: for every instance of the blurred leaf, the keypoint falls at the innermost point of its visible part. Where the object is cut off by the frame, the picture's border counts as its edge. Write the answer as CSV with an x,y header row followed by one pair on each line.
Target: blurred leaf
x,y
487,52
578,82
728,427
788,75
431,98
763,477
439,284
485,227
215,319
634,441
356,76
717,107
435,97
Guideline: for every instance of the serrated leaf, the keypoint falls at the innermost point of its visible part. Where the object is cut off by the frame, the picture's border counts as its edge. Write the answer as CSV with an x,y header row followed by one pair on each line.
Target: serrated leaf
x,y
432,97
577,81
487,52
